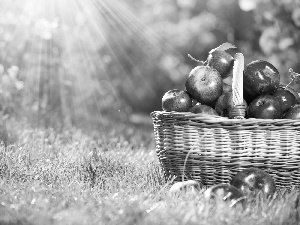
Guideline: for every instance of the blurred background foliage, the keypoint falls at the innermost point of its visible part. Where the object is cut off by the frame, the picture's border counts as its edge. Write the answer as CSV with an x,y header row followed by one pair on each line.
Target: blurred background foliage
x,y
66,64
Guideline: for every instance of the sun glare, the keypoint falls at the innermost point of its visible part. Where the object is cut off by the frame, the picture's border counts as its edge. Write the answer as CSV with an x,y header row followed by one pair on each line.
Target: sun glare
x,y
67,47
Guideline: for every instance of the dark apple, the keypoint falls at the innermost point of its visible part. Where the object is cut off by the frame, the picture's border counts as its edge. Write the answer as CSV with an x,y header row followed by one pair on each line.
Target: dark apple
x,y
293,112
225,192
260,77
226,87
292,90
221,106
221,61
203,109
194,102
204,84
285,98
252,181
265,107
225,103
176,100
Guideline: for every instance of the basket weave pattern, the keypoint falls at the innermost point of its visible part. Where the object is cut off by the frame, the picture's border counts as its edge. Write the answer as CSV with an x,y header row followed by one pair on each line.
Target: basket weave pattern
x,y
212,149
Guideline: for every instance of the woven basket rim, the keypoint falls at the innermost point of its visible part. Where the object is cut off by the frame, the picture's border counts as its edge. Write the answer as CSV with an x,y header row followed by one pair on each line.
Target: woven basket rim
x,y
215,118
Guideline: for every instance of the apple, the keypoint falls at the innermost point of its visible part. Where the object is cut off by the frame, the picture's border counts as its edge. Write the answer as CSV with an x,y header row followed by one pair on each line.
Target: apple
x,y
203,109
226,87
194,102
225,192
185,186
176,100
204,84
290,89
252,181
260,77
221,106
293,112
225,103
285,98
221,61
265,107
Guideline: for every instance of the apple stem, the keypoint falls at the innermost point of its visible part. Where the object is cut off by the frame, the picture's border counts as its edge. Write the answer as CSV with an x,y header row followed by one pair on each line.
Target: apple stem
x,y
289,84
293,76
192,58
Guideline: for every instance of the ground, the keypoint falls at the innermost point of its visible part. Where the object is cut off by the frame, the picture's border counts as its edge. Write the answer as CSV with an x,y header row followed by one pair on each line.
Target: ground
x,y
108,177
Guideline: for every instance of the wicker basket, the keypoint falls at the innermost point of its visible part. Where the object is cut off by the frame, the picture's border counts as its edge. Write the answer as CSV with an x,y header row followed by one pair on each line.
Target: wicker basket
x,y
212,149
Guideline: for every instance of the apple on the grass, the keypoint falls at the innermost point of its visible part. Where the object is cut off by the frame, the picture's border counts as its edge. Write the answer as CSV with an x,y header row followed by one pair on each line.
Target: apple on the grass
x,y
252,181
204,84
265,107
225,192
260,77
203,109
185,186
176,100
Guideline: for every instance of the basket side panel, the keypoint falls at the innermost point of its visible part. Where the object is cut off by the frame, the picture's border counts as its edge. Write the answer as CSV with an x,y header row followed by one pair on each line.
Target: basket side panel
x,y
212,152
177,148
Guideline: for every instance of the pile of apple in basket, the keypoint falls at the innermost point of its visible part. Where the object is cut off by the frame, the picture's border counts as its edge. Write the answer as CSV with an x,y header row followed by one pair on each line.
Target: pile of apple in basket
x,y
261,92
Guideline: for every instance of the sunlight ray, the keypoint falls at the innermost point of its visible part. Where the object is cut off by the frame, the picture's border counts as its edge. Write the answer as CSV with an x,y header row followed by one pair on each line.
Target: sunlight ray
x,y
122,22
66,18
149,37
98,33
119,49
111,40
86,60
93,36
142,41
96,59
30,72
66,100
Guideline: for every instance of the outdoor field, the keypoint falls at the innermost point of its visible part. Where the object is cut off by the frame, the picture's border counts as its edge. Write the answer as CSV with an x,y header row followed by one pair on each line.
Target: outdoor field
x,y
75,178
79,80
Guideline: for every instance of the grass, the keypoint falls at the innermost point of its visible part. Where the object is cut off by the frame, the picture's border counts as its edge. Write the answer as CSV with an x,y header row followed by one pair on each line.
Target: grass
x,y
107,177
